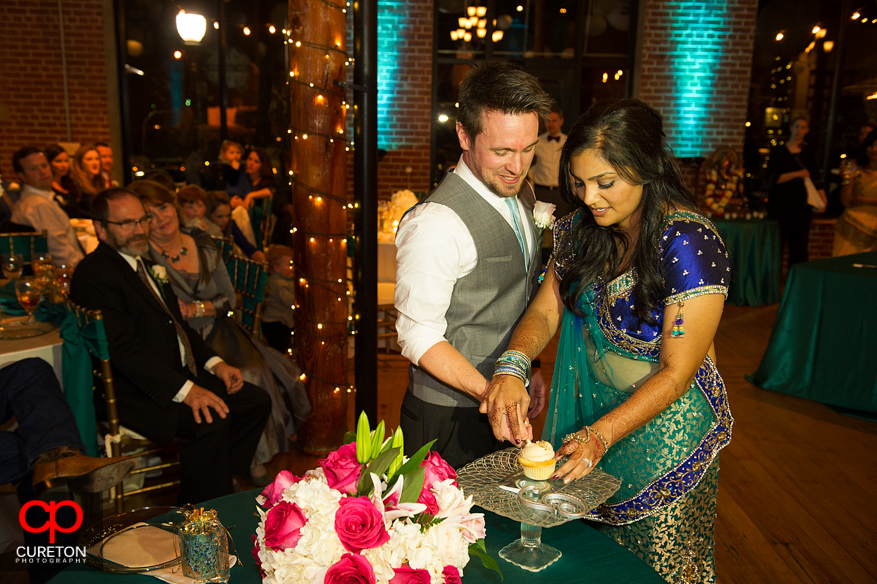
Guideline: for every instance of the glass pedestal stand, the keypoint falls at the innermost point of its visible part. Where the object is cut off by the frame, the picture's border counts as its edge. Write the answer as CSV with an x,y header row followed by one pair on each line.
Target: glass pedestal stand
x,y
496,482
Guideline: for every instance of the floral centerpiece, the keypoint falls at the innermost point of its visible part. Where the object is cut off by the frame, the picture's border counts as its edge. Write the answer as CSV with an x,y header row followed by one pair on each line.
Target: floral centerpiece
x,y
369,515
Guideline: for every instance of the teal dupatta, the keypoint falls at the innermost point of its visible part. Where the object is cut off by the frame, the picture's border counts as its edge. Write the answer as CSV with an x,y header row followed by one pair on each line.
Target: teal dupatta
x,y
598,367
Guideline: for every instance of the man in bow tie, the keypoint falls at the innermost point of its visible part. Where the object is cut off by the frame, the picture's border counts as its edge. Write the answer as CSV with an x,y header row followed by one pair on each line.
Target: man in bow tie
x,y
546,164
169,383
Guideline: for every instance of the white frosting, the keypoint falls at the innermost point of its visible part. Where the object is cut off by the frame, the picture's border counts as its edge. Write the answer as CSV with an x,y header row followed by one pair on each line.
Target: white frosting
x,y
538,451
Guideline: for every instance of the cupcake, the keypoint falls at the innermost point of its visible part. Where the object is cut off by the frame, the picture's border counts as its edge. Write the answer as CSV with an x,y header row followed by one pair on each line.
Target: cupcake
x,y
537,458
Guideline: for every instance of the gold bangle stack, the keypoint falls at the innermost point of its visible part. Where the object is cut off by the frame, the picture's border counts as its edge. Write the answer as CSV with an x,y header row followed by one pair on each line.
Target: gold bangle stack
x,y
600,437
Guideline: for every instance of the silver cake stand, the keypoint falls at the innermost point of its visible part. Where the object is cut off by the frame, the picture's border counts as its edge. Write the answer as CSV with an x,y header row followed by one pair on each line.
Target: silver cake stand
x,y
497,483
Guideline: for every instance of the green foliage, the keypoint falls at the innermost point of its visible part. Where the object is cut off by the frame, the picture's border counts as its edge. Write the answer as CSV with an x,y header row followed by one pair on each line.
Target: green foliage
x,y
478,549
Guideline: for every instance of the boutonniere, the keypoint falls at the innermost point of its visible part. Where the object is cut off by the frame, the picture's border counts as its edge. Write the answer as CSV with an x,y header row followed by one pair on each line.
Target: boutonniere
x,y
159,274
543,215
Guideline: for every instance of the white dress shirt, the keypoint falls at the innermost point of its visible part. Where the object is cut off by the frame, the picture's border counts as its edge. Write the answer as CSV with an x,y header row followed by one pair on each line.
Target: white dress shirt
x,y
211,363
433,250
546,167
39,209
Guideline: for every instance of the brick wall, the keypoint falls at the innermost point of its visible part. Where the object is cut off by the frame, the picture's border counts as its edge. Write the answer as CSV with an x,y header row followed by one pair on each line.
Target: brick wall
x,y
31,93
404,120
695,70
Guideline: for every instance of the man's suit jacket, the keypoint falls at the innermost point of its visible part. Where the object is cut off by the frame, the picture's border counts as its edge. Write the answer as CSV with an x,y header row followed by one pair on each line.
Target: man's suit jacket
x,y
144,350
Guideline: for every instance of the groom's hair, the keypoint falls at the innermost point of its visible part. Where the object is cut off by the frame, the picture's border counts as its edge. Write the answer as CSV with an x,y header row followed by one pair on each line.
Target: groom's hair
x,y
502,87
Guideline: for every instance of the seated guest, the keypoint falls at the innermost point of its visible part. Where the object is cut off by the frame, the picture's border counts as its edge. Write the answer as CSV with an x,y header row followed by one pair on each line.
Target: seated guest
x,y
86,173
257,183
232,174
191,200
169,383
46,446
219,213
278,318
106,162
163,178
63,186
36,206
200,281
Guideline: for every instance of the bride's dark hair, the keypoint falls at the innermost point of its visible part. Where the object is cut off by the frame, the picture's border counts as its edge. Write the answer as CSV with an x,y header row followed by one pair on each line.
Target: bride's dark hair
x,y
629,136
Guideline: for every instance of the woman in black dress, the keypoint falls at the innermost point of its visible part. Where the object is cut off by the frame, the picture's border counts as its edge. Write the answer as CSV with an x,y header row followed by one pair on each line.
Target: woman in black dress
x,y
789,165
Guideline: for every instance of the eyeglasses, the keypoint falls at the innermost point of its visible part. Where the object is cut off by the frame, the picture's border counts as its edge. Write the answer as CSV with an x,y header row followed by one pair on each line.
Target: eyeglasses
x,y
131,224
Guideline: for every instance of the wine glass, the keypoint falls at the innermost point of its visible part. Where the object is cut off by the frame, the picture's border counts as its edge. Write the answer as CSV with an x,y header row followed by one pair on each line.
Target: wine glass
x,y
29,292
62,279
13,264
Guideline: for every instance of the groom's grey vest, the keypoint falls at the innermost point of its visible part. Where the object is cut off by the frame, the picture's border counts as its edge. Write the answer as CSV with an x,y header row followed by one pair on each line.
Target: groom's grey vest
x,y
487,304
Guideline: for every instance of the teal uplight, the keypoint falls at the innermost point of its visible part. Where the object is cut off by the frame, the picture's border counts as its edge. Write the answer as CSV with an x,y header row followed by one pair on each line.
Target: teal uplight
x,y
393,23
696,31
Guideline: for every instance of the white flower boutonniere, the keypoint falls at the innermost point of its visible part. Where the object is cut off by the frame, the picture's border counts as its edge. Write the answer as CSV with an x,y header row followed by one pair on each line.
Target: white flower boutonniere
x,y
159,274
543,215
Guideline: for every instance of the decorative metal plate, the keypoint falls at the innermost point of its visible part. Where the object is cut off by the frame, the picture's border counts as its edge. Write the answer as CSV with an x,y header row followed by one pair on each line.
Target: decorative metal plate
x,y
543,503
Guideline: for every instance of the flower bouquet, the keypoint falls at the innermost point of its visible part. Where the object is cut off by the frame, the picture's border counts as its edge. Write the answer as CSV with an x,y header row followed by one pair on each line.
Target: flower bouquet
x,y
369,514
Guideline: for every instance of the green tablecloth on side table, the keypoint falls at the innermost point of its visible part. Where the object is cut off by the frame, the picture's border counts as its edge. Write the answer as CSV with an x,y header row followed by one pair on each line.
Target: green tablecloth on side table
x,y
824,337
754,249
588,555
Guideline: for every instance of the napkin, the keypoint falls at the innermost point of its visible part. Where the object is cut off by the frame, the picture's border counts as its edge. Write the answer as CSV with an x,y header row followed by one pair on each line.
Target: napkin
x,y
143,547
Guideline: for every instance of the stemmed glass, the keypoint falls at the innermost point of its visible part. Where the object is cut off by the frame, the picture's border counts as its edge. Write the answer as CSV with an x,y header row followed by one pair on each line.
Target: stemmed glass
x,y
12,265
29,292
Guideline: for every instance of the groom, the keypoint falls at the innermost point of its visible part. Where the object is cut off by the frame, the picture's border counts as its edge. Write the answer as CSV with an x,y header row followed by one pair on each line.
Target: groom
x,y
169,383
467,265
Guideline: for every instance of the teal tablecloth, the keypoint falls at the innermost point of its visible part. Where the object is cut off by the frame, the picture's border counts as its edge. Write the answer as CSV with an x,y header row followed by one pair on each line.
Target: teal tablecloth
x,y
588,556
823,340
756,260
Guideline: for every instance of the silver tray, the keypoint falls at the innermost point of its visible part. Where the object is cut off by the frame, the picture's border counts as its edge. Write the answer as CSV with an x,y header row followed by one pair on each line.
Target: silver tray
x,y
541,503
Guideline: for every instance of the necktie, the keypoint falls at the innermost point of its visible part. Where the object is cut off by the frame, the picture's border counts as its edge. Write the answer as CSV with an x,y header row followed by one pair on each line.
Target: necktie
x,y
512,203
181,333
556,138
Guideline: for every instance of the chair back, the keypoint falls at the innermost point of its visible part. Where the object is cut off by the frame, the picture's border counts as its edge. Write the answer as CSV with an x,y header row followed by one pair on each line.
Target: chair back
x,y
225,245
27,245
260,220
249,279
118,440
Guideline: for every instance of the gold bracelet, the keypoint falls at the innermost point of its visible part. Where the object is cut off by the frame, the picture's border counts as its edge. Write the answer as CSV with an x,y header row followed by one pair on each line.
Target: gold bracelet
x,y
600,438
577,438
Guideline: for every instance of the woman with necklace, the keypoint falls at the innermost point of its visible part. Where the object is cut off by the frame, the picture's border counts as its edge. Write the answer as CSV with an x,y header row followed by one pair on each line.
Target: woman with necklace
x,y
789,165
856,229
206,295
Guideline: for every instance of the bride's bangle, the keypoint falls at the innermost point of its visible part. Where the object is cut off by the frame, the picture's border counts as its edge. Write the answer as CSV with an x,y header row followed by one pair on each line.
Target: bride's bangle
x,y
600,437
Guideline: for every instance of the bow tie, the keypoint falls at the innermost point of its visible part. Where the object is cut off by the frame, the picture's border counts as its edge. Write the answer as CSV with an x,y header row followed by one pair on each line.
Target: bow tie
x,y
550,138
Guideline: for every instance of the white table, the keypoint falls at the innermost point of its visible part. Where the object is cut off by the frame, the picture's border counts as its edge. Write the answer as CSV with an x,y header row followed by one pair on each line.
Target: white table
x,y
47,347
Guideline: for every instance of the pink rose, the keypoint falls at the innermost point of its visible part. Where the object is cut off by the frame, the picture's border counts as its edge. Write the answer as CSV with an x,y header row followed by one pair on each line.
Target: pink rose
x,y
359,525
452,575
283,526
408,575
256,555
350,569
342,469
274,492
436,470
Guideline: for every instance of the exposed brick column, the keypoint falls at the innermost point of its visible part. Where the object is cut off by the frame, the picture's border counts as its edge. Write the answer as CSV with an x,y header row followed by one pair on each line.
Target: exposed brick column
x,y
31,93
695,69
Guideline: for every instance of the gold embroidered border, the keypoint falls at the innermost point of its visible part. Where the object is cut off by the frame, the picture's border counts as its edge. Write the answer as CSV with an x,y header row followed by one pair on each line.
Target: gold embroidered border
x,y
695,292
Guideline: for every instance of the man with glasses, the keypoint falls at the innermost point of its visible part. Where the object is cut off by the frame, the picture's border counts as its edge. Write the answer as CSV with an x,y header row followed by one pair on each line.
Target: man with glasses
x,y
169,383
37,206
